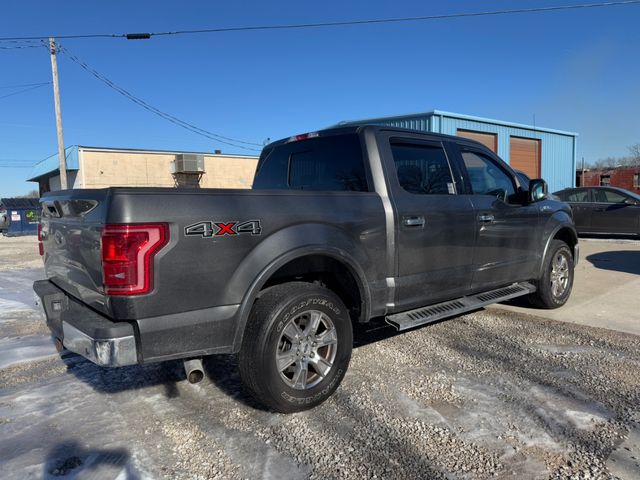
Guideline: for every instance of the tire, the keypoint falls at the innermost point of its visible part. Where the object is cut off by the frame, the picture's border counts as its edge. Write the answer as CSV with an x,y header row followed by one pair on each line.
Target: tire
x,y
554,287
293,326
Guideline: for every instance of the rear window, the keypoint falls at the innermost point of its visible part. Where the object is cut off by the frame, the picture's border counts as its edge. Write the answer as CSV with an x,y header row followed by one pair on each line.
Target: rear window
x,y
333,163
575,196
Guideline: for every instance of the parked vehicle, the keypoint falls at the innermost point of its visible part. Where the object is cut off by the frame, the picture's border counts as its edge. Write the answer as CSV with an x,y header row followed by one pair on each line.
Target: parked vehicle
x,y
341,226
4,220
603,210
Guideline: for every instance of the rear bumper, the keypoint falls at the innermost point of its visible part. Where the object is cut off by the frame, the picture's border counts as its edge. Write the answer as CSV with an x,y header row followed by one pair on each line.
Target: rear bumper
x,y
106,352
117,343
85,332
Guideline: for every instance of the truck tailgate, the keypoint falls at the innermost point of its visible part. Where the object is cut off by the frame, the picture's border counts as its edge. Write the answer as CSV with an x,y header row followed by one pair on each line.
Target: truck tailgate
x,y
70,232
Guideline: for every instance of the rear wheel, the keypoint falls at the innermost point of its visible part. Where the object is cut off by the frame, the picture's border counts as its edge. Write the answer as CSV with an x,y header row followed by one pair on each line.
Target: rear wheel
x,y
296,347
554,287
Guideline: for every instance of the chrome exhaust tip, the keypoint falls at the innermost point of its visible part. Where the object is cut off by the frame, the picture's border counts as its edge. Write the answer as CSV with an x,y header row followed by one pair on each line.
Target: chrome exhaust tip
x,y
194,370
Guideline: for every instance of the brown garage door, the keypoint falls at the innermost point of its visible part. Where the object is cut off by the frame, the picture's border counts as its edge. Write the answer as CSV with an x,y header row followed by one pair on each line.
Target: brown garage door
x,y
525,156
490,140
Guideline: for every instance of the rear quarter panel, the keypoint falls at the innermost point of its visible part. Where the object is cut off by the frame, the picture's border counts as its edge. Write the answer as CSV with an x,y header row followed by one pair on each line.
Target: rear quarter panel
x,y
196,272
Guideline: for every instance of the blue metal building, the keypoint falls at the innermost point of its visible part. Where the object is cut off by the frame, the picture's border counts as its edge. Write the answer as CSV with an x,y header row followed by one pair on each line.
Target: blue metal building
x,y
539,152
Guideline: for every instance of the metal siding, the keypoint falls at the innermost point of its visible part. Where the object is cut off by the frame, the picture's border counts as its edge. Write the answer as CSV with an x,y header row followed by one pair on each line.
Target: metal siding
x,y
412,123
557,155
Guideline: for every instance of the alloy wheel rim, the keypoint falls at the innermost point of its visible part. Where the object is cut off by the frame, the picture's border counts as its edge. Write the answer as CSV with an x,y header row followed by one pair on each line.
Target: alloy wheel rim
x,y
559,275
306,349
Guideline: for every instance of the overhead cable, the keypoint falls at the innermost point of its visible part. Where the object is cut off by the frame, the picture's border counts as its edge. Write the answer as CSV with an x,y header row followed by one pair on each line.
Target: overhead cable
x,y
24,90
344,23
175,120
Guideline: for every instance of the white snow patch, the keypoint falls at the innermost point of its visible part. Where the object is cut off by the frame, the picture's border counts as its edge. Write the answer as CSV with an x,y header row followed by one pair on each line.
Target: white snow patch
x,y
24,349
10,306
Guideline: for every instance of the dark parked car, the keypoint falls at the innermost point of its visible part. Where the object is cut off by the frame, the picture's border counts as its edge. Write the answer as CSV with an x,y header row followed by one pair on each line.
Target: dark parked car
x,y
603,210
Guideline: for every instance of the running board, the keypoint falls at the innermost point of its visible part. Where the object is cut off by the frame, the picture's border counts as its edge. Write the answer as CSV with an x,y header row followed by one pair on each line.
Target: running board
x,y
431,313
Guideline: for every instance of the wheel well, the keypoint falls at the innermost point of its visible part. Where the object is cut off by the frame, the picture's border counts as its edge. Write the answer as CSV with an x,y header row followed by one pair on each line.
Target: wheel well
x,y
568,237
326,271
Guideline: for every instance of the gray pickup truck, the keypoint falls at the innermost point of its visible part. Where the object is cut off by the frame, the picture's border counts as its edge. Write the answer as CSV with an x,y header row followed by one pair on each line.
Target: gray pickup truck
x,y
341,226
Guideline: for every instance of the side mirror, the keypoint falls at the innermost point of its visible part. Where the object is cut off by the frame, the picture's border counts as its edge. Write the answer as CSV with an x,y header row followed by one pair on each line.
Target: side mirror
x,y
538,190
630,201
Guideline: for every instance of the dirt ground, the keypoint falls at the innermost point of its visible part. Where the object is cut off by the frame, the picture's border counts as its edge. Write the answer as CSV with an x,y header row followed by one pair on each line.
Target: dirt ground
x,y
494,394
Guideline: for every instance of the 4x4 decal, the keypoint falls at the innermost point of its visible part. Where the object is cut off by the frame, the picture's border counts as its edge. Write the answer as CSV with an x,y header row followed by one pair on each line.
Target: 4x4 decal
x,y
216,229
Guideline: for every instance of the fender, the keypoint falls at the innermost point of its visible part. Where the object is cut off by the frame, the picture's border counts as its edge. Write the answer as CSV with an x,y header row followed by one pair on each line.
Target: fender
x,y
564,222
285,246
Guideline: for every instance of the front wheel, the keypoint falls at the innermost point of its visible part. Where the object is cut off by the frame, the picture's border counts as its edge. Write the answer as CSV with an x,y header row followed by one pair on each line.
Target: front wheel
x,y
296,347
554,287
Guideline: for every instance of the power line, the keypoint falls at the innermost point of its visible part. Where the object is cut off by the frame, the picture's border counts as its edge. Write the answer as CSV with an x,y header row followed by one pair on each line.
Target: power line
x,y
175,120
25,85
24,90
15,47
446,16
6,161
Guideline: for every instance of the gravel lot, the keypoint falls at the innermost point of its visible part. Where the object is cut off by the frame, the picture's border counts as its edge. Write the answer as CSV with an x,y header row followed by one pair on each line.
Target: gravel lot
x,y
494,394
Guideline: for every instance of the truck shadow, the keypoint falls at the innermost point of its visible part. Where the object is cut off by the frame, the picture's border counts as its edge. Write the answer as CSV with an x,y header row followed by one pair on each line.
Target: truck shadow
x,y
222,371
115,380
377,329
70,459
626,261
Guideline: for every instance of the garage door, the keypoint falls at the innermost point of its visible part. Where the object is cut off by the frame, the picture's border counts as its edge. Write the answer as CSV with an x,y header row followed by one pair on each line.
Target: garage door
x,y
490,140
525,156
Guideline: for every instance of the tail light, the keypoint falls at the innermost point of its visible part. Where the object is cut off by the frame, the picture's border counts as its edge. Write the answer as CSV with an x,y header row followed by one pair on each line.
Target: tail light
x,y
40,246
128,252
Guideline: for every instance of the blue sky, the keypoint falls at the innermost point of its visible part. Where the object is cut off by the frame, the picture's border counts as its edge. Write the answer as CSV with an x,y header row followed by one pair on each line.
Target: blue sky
x,y
574,70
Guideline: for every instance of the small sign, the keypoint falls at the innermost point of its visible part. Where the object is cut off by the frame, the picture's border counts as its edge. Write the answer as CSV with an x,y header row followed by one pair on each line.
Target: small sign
x,y
15,216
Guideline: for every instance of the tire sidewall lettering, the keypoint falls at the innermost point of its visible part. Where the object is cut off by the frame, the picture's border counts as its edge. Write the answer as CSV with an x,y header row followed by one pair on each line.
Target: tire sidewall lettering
x,y
311,302
315,397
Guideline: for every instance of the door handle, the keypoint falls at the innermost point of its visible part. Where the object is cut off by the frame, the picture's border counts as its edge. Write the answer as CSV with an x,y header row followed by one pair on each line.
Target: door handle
x,y
413,221
486,218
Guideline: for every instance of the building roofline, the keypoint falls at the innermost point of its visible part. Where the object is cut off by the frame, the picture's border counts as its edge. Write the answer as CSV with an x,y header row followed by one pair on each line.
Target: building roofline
x,y
88,148
166,152
461,117
500,122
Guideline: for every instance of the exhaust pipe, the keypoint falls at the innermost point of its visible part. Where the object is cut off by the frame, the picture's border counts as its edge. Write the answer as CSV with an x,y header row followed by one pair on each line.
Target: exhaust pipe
x,y
194,370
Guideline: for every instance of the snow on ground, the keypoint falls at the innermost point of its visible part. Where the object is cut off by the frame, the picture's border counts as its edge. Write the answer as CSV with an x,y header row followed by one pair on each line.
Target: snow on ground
x,y
24,349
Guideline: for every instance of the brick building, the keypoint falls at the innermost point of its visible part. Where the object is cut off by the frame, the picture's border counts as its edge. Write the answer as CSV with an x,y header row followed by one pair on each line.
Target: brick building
x,y
622,177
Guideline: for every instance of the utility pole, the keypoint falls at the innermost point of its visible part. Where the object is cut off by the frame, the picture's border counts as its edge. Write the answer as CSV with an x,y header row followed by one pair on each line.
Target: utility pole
x,y
56,101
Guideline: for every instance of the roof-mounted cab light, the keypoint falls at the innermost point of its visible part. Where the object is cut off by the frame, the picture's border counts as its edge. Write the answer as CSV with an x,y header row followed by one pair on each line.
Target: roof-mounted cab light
x,y
303,136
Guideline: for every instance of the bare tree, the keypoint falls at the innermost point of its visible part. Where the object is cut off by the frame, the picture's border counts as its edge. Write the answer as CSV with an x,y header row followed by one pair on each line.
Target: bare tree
x,y
634,151
633,160
31,194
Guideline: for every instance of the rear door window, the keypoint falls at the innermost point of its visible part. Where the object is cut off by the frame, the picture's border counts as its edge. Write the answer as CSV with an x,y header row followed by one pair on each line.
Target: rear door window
x,y
422,168
578,196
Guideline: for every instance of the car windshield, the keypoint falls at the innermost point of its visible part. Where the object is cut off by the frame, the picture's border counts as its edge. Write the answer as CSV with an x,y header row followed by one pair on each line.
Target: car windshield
x,y
633,195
